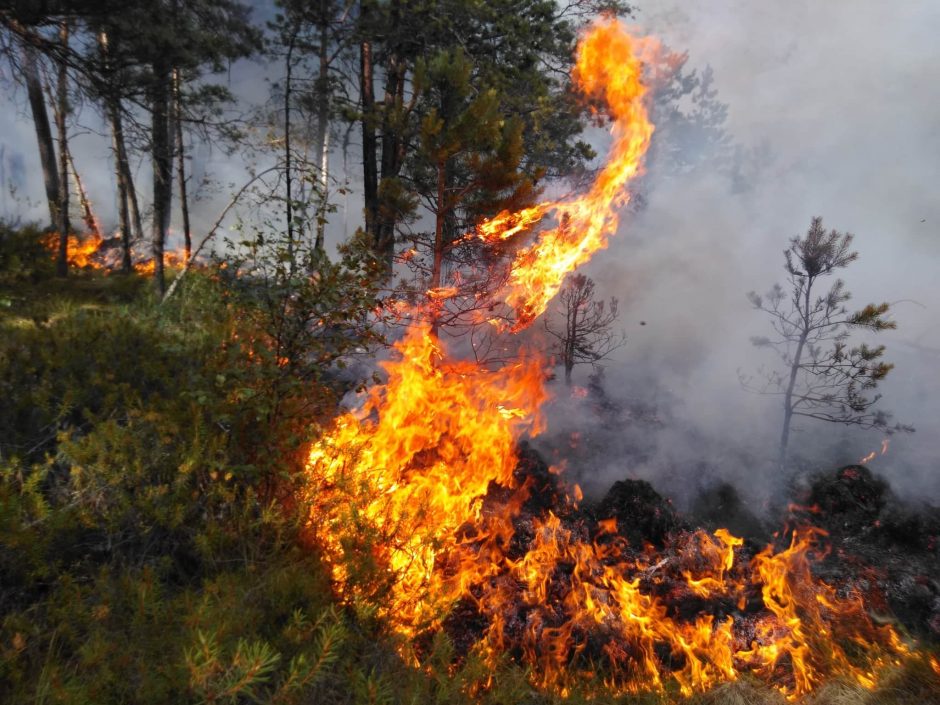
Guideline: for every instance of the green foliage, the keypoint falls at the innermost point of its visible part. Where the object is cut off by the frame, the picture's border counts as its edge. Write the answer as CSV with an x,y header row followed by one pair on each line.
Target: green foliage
x,y
464,133
23,257
467,163
148,552
522,52
299,317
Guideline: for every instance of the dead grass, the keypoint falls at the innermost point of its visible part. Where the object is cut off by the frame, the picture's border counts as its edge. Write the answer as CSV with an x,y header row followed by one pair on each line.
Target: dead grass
x,y
742,692
915,683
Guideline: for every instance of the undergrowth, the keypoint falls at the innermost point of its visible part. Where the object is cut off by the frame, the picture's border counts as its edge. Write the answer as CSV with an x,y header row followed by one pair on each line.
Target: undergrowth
x,y
150,551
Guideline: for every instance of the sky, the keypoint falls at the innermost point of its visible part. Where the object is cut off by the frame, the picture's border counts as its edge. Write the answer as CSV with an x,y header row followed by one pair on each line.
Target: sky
x,y
844,98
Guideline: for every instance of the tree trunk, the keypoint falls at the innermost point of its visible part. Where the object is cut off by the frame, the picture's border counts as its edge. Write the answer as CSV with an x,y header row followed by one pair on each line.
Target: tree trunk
x,y
392,144
117,139
136,218
571,339
162,171
288,176
794,369
124,214
127,194
122,164
47,159
370,182
121,170
321,147
181,160
439,215
91,223
62,107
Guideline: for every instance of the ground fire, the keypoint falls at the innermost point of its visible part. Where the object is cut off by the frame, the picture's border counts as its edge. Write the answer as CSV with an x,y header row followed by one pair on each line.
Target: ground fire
x,y
94,252
430,485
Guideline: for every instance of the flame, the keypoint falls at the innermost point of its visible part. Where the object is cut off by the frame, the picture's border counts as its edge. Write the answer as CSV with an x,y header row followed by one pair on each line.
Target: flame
x,y
609,66
418,504
442,292
885,442
171,259
80,252
91,252
812,627
414,475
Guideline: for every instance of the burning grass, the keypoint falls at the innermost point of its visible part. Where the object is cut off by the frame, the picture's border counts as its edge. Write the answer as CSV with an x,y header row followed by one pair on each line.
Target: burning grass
x,y
526,572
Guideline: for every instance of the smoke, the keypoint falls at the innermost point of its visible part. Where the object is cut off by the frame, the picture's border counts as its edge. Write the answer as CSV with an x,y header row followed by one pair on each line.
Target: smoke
x,y
837,111
835,101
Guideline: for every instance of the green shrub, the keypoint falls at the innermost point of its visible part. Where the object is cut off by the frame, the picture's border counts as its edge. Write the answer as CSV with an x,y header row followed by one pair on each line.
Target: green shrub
x,y
144,555
23,255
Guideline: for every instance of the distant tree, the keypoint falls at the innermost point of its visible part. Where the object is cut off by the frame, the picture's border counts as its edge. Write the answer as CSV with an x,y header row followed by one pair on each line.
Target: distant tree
x,y
822,377
128,207
312,40
581,325
175,45
690,119
155,55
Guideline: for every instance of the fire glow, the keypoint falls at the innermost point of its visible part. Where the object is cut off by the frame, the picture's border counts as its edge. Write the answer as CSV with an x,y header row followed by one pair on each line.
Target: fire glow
x,y
420,485
609,67
93,252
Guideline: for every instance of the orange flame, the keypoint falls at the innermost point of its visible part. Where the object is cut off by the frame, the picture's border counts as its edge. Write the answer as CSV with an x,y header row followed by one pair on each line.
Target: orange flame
x,y
414,499
885,442
811,625
171,258
444,431
89,252
80,252
608,67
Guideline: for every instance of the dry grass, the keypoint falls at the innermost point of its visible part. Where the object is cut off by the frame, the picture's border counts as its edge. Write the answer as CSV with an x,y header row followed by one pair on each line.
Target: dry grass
x,y
840,693
743,692
913,684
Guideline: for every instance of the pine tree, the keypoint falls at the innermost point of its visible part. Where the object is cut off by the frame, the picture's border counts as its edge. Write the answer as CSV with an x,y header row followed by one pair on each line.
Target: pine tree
x,y
822,378
466,164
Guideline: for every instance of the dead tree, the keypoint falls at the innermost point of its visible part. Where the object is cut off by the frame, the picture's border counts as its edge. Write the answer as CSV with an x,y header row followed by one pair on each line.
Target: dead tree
x,y
88,216
581,325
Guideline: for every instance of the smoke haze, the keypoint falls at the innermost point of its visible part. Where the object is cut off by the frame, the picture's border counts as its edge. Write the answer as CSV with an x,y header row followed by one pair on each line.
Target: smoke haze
x,y
842,99
840,104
